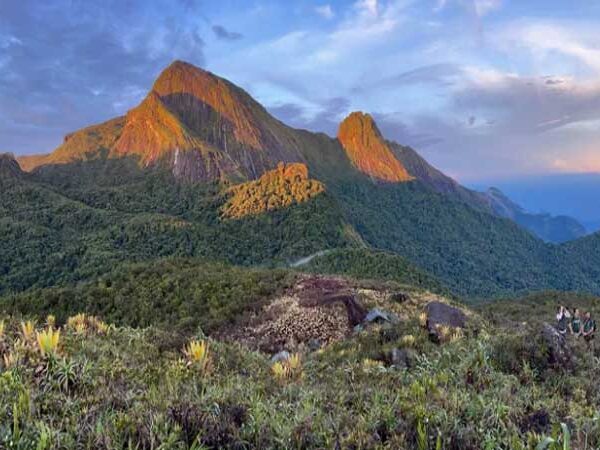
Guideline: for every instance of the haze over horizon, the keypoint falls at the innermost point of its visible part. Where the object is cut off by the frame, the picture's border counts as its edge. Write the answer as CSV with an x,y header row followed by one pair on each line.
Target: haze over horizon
x,y
486,90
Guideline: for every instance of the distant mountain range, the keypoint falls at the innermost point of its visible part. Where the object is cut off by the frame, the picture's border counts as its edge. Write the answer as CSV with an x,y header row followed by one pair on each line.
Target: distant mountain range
x,y
571,194
201,169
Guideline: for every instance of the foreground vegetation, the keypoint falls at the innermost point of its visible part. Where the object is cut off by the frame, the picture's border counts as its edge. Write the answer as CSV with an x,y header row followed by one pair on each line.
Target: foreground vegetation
x,y
101,386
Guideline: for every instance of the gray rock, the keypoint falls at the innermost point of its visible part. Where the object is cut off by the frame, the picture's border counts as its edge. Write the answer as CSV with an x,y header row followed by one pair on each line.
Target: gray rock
x,y
281,356
402,358
358,328
559,352
314,345
377,315
399,297
440,314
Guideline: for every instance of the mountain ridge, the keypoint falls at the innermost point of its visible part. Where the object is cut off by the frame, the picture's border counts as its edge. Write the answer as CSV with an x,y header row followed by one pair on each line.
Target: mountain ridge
x,y
9,167
203,128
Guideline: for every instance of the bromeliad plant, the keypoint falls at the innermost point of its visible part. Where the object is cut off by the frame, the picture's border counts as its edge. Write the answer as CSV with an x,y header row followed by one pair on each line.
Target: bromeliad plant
x,y
27,330
98,326
288,369
51,320
78,323
48,341
198,355
82,324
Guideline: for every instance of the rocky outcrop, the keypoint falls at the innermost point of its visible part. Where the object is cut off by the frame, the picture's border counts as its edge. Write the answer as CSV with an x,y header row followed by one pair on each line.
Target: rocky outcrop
x,y
9,167
442,317
401,358
368,150
559,353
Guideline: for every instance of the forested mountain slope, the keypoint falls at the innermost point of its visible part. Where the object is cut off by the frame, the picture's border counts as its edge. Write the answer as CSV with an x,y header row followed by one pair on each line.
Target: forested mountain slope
x,y
199,169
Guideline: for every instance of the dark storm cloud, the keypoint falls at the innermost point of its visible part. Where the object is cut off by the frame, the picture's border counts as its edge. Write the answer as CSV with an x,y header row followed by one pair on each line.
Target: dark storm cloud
x,y
222,33
67,63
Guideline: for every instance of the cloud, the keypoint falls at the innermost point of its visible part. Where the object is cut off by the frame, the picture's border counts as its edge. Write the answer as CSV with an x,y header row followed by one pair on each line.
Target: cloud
x,y
479,7
528,104
83,59
324,116
367,6
325,11
441,74
394,127
484,7
225,35
545,40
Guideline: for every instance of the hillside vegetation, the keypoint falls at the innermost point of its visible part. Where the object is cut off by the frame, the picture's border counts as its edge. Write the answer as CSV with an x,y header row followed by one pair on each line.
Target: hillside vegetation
x,y
376,265
181,295
473,253
70,223
57,234
486,387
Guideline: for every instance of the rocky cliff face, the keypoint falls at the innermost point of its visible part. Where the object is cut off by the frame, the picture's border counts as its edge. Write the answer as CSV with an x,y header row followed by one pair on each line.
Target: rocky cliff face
x,y
368,150
203,128
225,117
9,167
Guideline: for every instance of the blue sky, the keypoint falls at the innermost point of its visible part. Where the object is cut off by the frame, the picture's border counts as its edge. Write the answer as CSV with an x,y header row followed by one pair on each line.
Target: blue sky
x,y
484,89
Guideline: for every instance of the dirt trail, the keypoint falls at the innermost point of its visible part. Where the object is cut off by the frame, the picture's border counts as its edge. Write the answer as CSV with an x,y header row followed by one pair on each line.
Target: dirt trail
x,y
307,259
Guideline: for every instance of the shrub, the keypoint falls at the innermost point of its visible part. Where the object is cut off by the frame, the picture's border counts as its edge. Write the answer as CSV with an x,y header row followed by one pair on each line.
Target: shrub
x,y
515,354
78,323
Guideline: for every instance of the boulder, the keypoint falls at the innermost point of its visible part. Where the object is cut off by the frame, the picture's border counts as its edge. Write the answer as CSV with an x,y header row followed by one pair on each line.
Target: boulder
x,y
402,358
399,297
314,345
377,315
441,314
558,348
280,357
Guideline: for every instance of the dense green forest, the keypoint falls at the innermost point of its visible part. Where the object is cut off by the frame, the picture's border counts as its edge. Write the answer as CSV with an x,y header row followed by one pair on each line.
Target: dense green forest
x,y
56,234
363,263
182,295
70,223
473,253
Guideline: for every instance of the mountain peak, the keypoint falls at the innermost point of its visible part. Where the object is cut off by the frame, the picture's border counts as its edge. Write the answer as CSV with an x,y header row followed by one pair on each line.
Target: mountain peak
x,y
9,167
179,76
368,150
